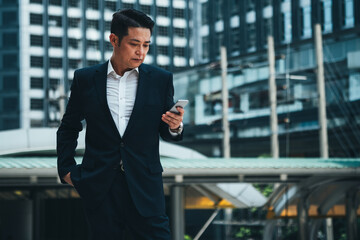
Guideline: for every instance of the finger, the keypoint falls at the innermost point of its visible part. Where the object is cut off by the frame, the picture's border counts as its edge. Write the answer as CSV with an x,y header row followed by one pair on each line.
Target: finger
x,y
174,116
170,121
173,123
181,111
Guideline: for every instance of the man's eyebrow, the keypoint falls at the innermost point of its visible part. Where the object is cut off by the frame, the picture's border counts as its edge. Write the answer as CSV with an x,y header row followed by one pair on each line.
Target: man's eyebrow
x,y
135,40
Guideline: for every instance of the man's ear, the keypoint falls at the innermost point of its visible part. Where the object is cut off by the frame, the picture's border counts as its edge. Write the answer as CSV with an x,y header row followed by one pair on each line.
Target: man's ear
x,y
113,38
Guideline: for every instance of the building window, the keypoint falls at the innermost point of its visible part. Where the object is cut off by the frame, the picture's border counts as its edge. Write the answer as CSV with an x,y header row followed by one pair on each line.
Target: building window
x,y
108,46
179,13
55,62
94,45
180,32
10,60
179,51
36,123
235,40
218,43
36,1
10,40
326,15
74,63
36,19
54,83
163,31
204,13
285,19
92,24
127,5
251,37
145,9
235,7
74,22
55,2
55,42
36,83
36,40
163,50
107,26
219,5
259,99
162,11
305,16
74,43
36,61
10,104
93,4
250,5
110,6
10,123
348,13
10,18
74,3
267,28
36,104
205,47
55,21
92,62
10,82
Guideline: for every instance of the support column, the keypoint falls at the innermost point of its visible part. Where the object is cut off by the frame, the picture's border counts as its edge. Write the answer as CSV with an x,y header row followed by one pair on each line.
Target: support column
x,y
272,99
36,213
302,212
329,229
177,212
351,216
324,148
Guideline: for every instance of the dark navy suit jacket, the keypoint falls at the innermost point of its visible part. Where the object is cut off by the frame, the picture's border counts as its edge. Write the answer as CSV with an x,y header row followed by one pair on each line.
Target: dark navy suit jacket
x,y
138,148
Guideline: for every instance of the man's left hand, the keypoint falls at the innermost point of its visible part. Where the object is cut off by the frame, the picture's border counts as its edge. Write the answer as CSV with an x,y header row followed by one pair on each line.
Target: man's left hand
x,y
172,119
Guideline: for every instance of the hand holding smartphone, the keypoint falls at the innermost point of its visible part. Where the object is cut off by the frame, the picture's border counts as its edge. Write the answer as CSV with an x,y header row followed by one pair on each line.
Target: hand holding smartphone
x,y
180,103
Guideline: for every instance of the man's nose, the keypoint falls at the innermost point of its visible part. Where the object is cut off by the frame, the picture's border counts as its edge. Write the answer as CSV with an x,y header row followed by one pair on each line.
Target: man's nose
x,y
139,51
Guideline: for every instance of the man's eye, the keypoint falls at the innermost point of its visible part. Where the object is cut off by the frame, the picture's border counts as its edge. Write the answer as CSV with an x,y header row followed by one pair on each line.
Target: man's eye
x,y
146,46
133,44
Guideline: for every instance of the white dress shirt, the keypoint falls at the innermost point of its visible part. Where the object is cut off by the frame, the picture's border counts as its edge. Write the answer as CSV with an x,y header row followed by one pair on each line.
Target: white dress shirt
x,y
121,94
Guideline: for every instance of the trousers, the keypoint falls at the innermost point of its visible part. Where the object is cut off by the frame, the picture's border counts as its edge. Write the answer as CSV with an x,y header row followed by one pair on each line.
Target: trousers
x,y
117,217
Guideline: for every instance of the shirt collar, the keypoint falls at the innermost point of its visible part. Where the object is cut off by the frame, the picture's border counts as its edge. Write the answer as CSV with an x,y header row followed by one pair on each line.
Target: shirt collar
x,y
110,69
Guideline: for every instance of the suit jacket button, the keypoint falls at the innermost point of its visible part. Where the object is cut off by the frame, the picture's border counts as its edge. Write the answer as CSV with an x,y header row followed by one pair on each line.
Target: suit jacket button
x,y
122,144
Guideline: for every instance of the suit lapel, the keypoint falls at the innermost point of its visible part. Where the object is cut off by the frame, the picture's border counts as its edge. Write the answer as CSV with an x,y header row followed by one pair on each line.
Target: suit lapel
x,y
100,79
144,75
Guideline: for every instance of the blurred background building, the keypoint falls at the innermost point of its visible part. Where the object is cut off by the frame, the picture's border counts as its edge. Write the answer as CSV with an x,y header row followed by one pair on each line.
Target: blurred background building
x,y
243,27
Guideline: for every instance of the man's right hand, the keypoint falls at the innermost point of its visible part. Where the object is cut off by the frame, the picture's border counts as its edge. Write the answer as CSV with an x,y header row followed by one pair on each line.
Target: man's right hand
x,y
68,179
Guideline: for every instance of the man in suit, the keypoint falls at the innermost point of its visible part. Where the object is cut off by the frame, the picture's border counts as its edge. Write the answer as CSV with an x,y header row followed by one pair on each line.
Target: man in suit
x,y
125,105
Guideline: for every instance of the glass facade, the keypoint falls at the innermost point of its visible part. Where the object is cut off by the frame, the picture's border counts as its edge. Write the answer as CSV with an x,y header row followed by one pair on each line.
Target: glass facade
x,y
9,66
291,23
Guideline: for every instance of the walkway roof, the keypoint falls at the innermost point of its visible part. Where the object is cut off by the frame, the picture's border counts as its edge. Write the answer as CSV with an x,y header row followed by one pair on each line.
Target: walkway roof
x,y
209,169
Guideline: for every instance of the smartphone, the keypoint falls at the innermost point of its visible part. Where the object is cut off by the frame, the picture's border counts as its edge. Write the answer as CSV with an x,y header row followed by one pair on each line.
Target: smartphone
x,y
180,103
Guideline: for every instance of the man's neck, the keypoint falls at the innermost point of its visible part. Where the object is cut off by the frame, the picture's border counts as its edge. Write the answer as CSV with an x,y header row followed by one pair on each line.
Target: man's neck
x,y
117,68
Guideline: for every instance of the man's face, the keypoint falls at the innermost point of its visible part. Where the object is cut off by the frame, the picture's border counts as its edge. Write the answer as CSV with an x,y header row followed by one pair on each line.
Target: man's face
x,y
132,50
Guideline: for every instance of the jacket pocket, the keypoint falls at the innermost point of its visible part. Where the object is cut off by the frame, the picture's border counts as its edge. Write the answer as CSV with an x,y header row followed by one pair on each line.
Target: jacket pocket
x,y
155,167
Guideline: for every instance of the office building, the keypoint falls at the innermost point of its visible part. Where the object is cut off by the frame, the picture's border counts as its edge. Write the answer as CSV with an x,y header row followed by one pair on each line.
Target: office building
x,y
243,27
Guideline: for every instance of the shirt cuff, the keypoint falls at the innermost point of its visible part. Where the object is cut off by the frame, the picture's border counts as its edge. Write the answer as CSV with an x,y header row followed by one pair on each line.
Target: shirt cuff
x,y
177,133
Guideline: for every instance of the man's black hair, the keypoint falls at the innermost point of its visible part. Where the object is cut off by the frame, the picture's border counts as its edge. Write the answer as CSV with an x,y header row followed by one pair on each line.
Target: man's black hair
x,y
123,19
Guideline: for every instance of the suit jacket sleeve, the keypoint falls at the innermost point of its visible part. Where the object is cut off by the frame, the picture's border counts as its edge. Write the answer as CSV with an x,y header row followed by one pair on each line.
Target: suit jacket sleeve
x,y
169,99
68,131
